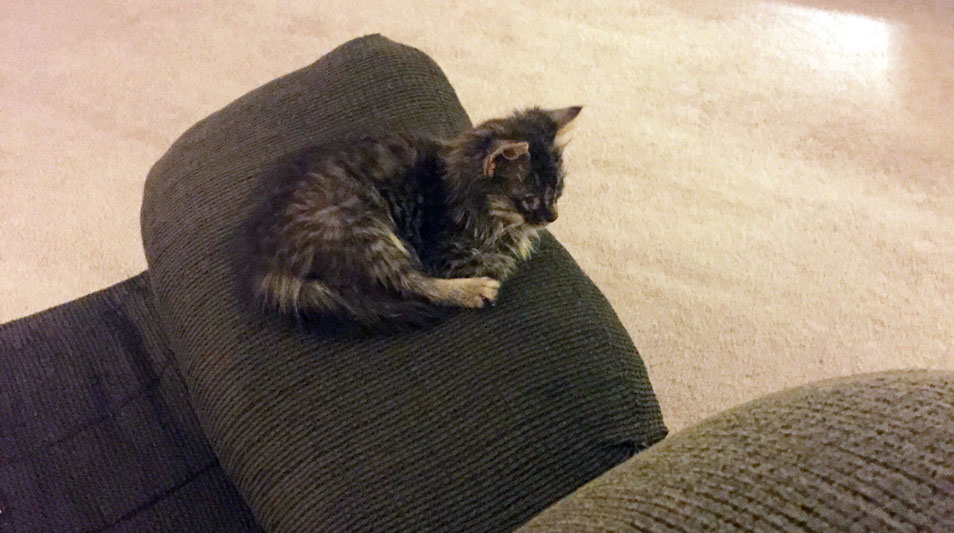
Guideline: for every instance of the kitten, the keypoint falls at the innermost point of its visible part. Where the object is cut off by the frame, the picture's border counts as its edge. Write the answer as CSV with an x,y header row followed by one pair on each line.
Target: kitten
x,y
385,229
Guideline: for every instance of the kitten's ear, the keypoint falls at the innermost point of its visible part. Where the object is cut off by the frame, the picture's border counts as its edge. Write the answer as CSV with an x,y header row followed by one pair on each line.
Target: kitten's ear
x,y
563,116
503,148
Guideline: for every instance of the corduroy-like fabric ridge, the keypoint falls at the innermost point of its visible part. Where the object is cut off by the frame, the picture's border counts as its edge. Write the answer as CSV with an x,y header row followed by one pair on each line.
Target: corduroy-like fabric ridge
x,y
475,424
867,453
96,431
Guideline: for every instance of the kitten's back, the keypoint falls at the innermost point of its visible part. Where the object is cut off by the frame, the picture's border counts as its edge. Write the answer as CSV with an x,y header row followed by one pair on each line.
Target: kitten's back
x,y
323,234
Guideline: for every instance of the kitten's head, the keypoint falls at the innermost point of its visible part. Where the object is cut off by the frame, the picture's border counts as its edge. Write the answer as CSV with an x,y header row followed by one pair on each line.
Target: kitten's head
x,y
518,164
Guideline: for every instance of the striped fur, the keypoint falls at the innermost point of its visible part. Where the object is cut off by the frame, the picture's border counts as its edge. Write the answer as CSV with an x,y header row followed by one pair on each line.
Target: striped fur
x,y
386,229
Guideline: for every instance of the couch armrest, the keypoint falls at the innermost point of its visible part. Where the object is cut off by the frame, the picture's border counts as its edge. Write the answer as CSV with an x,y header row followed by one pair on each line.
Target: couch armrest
x,y
867,453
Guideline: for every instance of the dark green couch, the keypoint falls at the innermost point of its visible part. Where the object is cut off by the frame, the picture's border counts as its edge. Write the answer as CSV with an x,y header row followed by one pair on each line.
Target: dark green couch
x,y
168,403
164,403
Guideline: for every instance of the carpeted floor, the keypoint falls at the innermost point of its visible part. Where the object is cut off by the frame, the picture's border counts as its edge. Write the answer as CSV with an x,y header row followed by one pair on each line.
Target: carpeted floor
x,y
764,190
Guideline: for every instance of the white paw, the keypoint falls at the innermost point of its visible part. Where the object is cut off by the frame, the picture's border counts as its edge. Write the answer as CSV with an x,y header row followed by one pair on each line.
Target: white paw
x,y
480,291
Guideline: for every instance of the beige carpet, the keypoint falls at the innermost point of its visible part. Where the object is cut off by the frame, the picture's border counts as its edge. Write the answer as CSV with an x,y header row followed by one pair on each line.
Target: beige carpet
x,y
764,190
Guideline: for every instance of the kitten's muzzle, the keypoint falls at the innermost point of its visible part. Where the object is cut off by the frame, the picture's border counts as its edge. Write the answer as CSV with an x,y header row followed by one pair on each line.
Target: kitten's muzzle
x,y
537,212
549,215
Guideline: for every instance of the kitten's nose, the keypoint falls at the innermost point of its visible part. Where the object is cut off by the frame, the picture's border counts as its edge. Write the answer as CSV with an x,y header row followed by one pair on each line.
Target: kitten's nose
x,y
550,214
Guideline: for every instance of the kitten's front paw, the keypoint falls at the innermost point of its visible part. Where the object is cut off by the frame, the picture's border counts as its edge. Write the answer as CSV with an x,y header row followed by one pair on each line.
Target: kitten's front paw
x,y
479,291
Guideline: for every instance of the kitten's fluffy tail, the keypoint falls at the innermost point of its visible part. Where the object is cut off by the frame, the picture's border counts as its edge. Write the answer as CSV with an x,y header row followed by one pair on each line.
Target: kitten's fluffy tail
x,y
294,297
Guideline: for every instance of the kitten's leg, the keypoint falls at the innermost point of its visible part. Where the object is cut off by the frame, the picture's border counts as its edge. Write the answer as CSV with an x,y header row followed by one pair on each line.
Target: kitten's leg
x,y
463,292
290,295
397,270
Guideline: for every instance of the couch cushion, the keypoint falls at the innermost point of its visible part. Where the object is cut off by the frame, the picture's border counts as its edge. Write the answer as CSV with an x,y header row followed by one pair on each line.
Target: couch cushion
x,y
476,423
96,431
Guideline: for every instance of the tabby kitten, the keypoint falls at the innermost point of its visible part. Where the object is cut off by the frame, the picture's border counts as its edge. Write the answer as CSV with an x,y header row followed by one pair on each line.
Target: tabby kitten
x,y
386,229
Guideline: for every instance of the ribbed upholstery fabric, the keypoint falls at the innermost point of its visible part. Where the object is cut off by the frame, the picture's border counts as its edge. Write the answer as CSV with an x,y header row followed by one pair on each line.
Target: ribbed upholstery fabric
x,y
868,453
475,424
96,432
